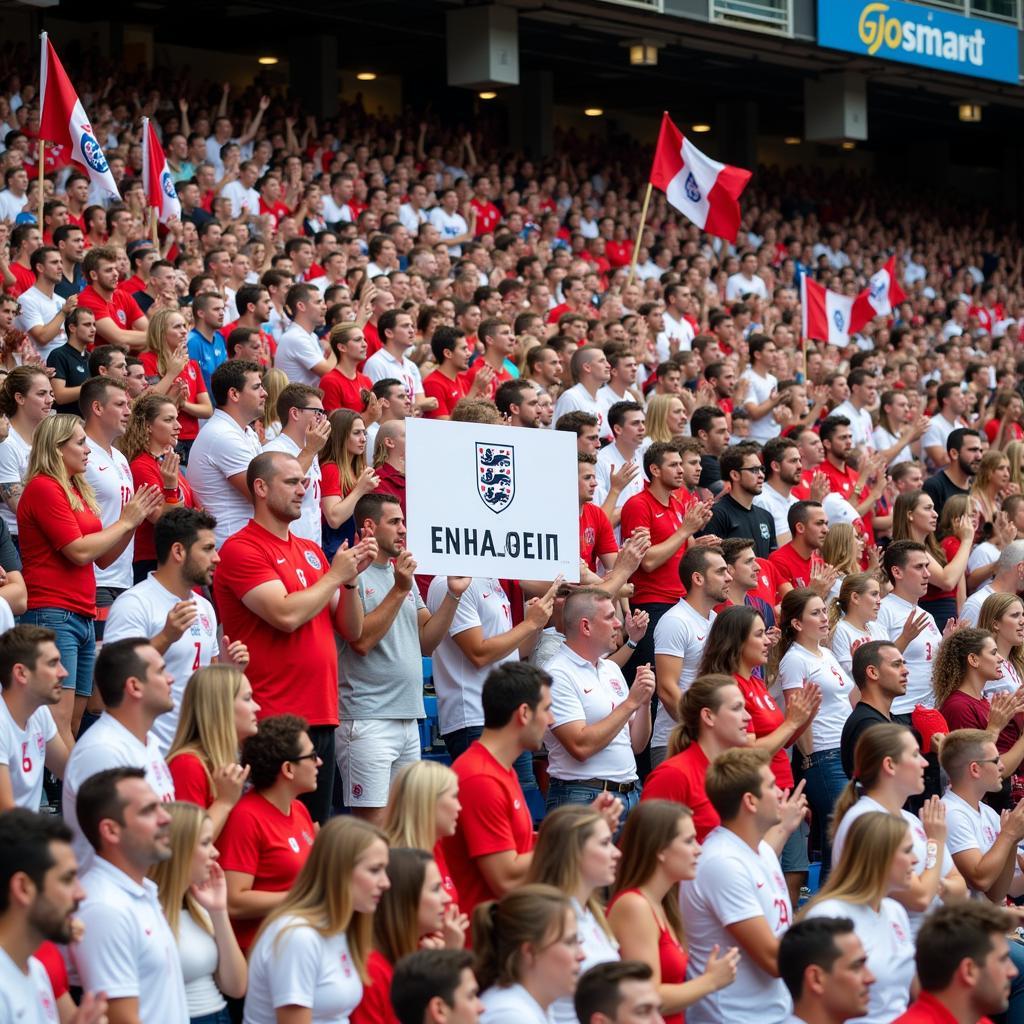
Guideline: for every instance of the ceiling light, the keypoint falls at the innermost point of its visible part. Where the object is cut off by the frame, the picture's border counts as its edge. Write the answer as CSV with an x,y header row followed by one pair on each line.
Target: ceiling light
x,y
969,112
792,140
700,129
266,60
593,112
367,76
849,145
487,95
643,54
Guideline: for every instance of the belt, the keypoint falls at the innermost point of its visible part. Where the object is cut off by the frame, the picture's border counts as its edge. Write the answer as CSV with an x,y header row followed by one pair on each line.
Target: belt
x,y
602,784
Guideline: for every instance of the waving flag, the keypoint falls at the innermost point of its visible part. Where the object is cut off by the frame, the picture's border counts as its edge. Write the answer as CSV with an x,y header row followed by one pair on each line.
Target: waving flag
x,y
826,314
62,119
156,176
704,190
882,295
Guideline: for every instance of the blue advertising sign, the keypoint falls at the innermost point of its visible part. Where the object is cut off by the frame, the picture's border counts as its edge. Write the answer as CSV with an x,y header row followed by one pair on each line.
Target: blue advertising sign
x,y
913,34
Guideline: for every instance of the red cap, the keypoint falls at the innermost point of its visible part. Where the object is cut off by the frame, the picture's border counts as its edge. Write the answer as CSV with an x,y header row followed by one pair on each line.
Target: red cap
x,y
928,722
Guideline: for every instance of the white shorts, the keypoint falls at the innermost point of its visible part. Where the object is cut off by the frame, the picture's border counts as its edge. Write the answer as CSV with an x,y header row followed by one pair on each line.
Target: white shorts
x,y
370,753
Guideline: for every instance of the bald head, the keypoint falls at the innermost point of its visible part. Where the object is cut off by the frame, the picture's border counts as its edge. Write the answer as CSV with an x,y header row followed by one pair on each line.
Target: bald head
x,y
266,467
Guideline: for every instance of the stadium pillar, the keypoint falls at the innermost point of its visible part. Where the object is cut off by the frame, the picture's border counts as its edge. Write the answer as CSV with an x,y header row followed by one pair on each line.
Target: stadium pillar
x,y
531,114
313,73
736,132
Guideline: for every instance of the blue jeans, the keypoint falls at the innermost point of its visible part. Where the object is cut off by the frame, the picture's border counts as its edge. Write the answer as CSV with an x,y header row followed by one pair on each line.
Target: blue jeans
x,y
458,742
76,641
825,780
561,792
220,1017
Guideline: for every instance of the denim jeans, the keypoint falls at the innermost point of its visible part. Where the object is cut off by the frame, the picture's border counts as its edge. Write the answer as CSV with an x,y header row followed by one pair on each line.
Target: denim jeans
x,y
76,641
458,742
562,792
220,1017
825,780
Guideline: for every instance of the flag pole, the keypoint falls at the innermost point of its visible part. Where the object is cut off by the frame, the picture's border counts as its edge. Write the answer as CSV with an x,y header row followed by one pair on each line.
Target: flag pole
x,y
42,178
639,235
155,230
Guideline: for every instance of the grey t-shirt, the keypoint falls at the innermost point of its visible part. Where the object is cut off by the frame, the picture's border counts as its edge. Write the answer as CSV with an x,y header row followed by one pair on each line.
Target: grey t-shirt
x,y
388,681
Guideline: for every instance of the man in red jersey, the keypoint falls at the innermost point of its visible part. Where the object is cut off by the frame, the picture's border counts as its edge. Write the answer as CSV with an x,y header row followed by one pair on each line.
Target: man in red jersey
x,y
499,344
807,526
447,382
277,593
345,387
119,321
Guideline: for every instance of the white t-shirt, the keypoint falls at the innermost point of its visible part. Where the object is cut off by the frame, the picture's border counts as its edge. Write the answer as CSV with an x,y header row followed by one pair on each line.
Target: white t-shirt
x,y
310,522
221,450
758,391
733,884
296,966
737,286
197,949
410,218
982,554
582,693
111,478
449,225
681,330
108,744
892,614
971,610
1009,681
598,948
847,638
131,952
861,426
11,205
682,632
19,996
142,611
512,1005
865,805
298,352
800,665
239,194
14,455
44,991
577,399
38,309
382,364
889,944
883,439
23,751
938,432
970,829
458,682
611,460
777,506
334,211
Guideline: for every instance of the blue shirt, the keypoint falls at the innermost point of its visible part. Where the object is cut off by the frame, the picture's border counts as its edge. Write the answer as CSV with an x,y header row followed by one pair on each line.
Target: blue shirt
x,y
208,354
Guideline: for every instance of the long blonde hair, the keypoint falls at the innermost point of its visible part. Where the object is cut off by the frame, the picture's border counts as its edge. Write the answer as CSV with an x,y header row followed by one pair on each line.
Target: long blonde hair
x,y
1015,453
862,874
321,895
411,819
274,382
46,460
145,409
173,876
156,335
558,853
875,746
994,608
657,417
840,548
206,722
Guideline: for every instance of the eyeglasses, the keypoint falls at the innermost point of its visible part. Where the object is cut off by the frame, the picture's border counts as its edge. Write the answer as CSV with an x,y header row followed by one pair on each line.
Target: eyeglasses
x,y
757,470
311,756
987,760
313,408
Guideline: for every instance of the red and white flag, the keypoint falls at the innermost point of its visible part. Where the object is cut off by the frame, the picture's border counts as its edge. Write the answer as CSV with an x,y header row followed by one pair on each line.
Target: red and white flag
x,y
156,176
882,295
706,191
62,119
826,314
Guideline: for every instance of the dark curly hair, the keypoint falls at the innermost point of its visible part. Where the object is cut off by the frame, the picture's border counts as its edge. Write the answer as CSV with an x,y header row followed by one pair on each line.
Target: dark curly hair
x,y
276,741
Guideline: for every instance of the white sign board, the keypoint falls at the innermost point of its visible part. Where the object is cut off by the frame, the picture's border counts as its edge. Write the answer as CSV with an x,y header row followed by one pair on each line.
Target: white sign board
x,y
492,501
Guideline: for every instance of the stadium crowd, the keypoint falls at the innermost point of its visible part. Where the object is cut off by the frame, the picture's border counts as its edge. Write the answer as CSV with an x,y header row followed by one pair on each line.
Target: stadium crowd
x,y
766,761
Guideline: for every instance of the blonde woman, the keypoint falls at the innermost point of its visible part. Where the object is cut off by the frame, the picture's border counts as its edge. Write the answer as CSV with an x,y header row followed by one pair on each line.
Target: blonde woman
x,y
877,859
991,484
844,548
666,418
853,616
61,538
218,713
575,854
346,477
170,372
1015,455
1002,615
311,952
274,382
194,899
423,808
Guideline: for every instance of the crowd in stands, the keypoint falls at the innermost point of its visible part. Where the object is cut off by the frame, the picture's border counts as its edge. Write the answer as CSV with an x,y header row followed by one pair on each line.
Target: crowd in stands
x,y
764,762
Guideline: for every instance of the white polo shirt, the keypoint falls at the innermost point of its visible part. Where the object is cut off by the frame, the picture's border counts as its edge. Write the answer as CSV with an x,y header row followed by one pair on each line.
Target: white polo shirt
x,y
142,611
892,614
800,666
583,692
108,744
298,352
310,522
682,632
732,884
23,752
110,477
131,952
970,829
221,450
382,364
458,682
37,310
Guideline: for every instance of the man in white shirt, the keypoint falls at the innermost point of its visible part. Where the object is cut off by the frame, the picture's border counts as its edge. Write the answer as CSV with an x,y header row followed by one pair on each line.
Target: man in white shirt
x,y
30,674
783,471
397,335
622,373
451,224
241,191
739,896
825,968
14,197
762,388
746,282
337,203
40,893
1007,579
226,445
589,368
42,309
679,333
863,397
982,843
300,353
413,213
952,402
618,472
131,954
305,430
681,636
592,750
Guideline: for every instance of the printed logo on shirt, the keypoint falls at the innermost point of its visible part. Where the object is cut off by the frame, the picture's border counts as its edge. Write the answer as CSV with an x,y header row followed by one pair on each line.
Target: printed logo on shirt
x,y
346,968
204,621
516,805
589,535
357,790
989,834
307,837
121,316
897,930
294,844
764,531
313,560
764,580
